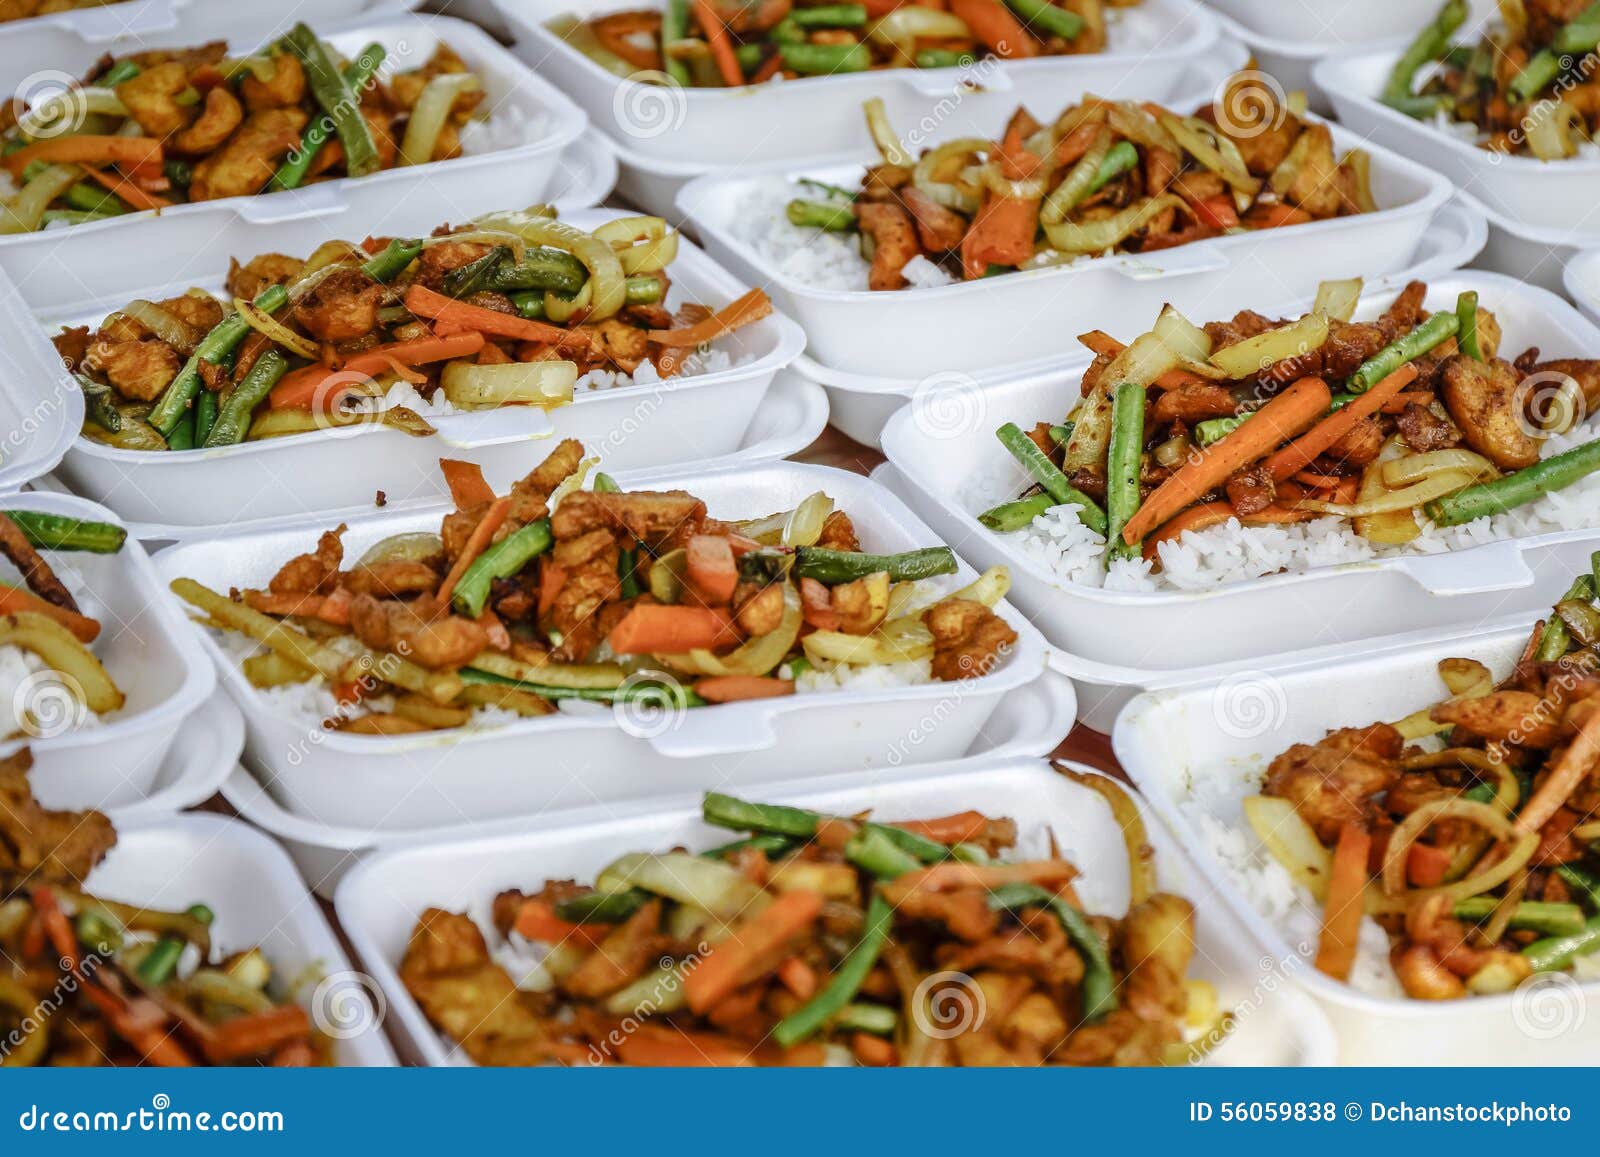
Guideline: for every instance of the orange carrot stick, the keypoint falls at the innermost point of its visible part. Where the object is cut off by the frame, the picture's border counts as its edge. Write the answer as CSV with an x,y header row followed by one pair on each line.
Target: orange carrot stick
x,y
742,311
721,46
537,920
662,1046
735,688
477,543
710,568
15,599
86,149
959,828
992,23
1209,514
467,486
1286,415
798,977
257,1034
656,628
1341,915
127,190
334,608
1309,446
456,317
299,390
753,949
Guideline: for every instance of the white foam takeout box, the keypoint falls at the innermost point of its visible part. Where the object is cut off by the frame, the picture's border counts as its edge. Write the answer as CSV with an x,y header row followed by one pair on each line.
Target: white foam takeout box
x,y
692,416
1029,721
578,757
259,901
926,332
1522,188
148,651
1228,732
1151,45
378,903
1114,642
516,173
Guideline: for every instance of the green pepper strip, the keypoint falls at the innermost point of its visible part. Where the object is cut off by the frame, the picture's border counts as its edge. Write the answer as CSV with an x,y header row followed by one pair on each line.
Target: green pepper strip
x,y
1099,985
59,532
1430,44
1012,516
357,74
1049,476
1044,15
1122,466
1467,325
338,99
1435,331
1557,952
233,418
842,566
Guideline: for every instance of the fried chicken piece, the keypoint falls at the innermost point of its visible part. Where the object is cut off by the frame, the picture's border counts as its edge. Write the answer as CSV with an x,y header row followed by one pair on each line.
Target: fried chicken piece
x,y
591,581
894,242
138,370
343,307
437,644
1316,183
1583,371
624,346
655,518
622,957
1358,446
1404,312
940,229
197,310
151,98
445,257
216,122
1517,717
1193,402
313,573
395,579
1482,398
1036,947
1424,430
38,845
531,493
466,995
1251,490
258,273
1332,782
838,533
968,638
285,87
246,163
41,580
1264,131
966,914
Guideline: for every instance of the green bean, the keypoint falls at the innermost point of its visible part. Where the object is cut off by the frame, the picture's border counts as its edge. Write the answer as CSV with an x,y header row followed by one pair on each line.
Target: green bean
x,y
825,59
643,289
182,436
223,339
389,263
1047,475
726,811
1121,158
97,930
60,532
942,58
847,980
1535,76
664,693
1581,34
73,216
1557,952
749,57
1501,495
767,843
1216,429
201,913
122,70
465,280
93,200
1422,108
233,416
1430,44
1122,465
180,173
502,560
832,191
786,31
877,1019
628,574
1061,434
842,566
831,16
160,963
337,98
205,416
1549,918
1435,331
1467,325
821,215
1555,638
675,27
1046,16
871,849
1013,516
1099,984
1584,880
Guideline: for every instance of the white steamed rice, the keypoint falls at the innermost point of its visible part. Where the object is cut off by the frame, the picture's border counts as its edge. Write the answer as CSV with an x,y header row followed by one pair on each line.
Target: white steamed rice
x,y
1233,553
19,671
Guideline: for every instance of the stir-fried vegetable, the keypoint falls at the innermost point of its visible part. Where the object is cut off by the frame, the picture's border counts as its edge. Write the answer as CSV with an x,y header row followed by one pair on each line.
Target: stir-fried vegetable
x,y
1104,176
822,935
354,332
1478,880
161,128
552,592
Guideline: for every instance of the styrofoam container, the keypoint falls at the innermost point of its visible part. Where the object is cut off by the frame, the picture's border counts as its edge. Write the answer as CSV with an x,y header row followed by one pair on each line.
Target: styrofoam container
x,y
791,416
379,902
1557,194
861,403
41,408
691,416
914,333
586,172
151,655
515,175
1169,740
1151,44
1133,639
571,759
259,901
1581,277
60,40
481,12
194,770
1030,721
654,182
